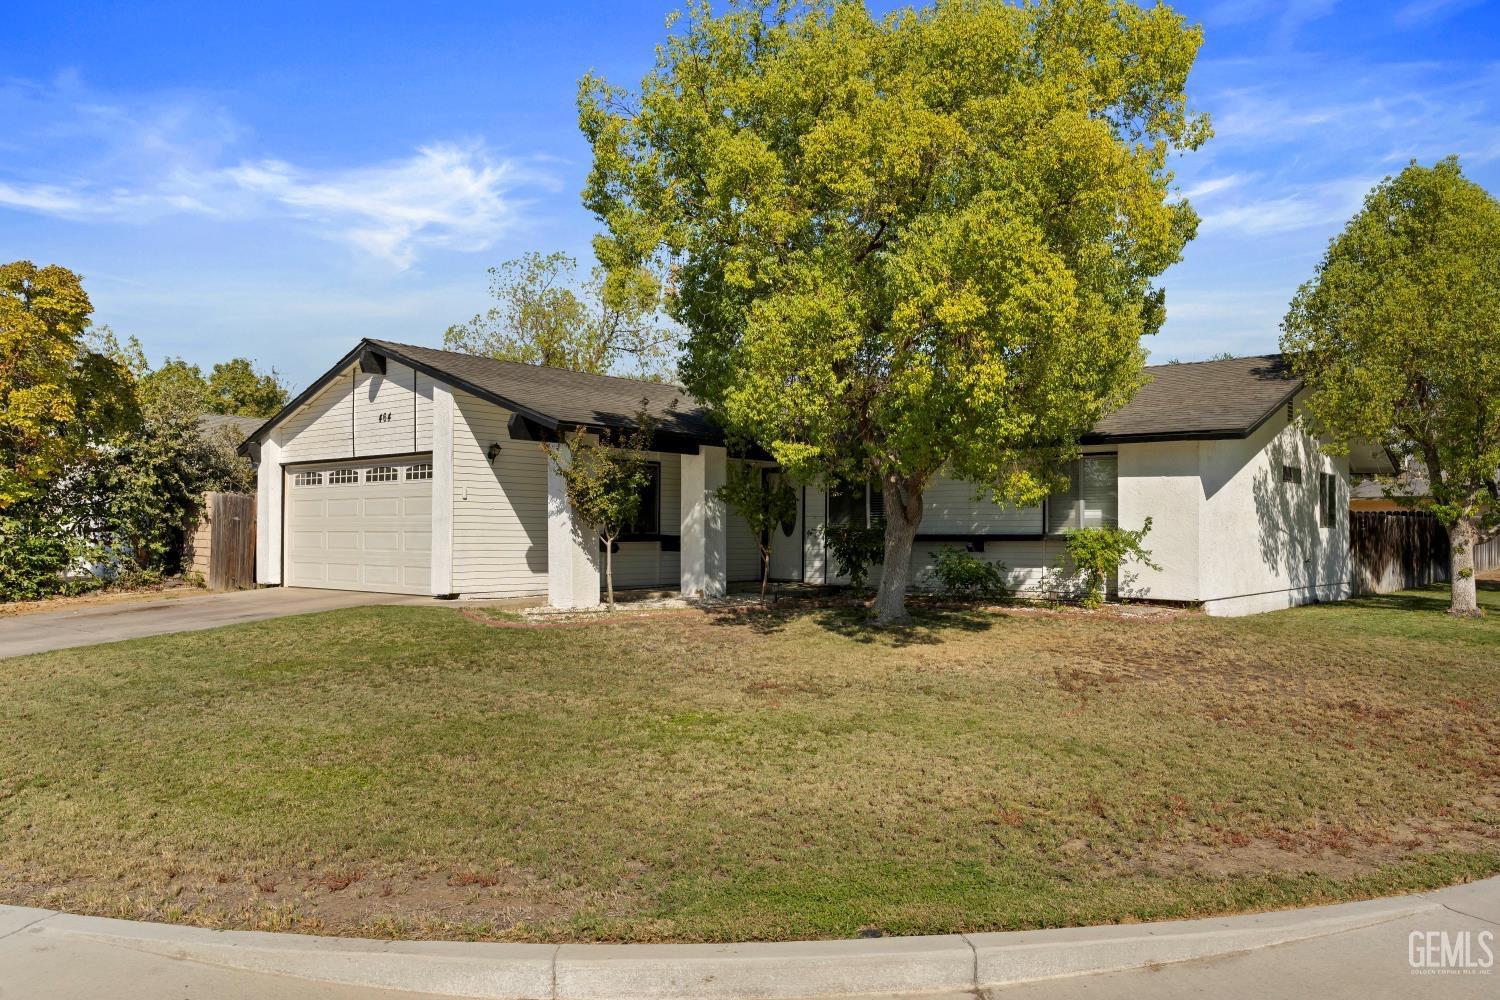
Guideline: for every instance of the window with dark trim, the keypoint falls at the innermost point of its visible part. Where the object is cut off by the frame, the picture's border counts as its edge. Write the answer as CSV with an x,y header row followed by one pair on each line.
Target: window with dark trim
x,y
1291,474
648,518
850,504
1328,499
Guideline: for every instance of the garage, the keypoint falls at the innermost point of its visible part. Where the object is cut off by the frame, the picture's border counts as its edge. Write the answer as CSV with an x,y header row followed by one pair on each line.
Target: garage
x,y
363,525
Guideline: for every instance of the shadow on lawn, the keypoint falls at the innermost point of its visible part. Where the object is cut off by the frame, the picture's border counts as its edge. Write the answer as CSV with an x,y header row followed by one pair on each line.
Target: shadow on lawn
x,y
850,619
1433,597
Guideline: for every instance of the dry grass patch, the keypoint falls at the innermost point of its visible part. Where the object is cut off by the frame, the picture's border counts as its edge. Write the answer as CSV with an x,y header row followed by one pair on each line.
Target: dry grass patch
x,y
410,772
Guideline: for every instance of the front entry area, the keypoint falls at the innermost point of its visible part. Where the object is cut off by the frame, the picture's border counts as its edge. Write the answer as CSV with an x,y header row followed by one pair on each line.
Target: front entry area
x,y
360,525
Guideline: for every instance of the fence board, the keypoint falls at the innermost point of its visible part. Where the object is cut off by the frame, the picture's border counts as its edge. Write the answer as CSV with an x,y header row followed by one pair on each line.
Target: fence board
x,y
231,560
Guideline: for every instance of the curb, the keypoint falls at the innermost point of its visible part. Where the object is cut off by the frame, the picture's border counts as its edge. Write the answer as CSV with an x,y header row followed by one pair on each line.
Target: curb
x,y
952,962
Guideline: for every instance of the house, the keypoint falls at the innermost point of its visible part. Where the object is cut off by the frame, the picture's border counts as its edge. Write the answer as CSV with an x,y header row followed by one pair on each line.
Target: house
x,y
414,470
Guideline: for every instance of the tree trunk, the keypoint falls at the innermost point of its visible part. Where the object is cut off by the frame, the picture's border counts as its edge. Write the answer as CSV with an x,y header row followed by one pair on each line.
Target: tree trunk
x,y
609,572
1465,600
765,572
903,515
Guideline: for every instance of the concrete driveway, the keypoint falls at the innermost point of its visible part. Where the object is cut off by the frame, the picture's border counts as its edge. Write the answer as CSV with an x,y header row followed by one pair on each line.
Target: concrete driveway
x,y
87,625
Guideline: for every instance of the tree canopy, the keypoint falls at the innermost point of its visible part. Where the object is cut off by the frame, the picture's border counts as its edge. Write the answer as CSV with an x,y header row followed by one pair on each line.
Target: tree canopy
x,y
58,397
540,319
232,387
1398,337
908,244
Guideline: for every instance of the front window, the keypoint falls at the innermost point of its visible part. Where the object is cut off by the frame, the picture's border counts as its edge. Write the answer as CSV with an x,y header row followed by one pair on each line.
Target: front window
x,y
648,517
1090,500
850,504
1328,498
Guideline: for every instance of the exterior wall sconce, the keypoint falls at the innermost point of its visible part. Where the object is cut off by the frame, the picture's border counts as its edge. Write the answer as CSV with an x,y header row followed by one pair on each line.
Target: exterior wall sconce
x,y
493,452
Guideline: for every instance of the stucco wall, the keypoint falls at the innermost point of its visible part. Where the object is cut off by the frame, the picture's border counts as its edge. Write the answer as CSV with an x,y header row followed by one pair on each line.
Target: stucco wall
x,y
1263,545
1160,480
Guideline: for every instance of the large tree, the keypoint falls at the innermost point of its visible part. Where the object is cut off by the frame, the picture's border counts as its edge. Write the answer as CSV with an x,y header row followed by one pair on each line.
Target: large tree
x,y
1398,337
903,245
58,396
232,386
540,318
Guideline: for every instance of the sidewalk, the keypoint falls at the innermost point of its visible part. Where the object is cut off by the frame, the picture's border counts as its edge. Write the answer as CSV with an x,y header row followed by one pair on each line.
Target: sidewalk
x,y
1354,950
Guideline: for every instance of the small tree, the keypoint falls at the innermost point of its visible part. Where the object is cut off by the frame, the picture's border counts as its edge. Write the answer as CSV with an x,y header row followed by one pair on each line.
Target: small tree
x,y
1098,553
606,474
765,502
1398,340
539,320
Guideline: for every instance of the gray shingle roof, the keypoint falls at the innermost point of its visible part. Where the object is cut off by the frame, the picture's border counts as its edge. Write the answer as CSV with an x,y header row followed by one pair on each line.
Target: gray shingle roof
x,y
241,427
1191,401
1201,399
568,397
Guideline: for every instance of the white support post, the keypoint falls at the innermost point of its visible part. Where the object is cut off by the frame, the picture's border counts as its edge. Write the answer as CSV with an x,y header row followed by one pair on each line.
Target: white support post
x,y
270,482
572,550
442,490
705,552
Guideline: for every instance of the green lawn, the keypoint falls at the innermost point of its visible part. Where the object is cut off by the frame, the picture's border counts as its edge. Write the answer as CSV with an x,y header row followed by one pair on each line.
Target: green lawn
x,y
682,776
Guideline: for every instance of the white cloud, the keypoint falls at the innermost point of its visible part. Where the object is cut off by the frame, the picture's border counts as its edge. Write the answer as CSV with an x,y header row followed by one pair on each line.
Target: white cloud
x,y
443,196
1324,205
1215,185
172,155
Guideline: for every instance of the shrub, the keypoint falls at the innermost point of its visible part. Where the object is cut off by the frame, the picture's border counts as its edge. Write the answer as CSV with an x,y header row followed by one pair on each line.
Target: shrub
x,y
1098,553
962,574
855,548
36,554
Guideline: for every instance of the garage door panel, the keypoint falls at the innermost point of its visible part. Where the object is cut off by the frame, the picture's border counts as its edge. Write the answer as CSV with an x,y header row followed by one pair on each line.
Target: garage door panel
x,y
342,541
382,507
349,531
382,541
307,541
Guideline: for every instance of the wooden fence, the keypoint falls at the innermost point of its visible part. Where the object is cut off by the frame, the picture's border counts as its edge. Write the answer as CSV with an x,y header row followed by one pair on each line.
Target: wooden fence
x,y
221,548
1394,550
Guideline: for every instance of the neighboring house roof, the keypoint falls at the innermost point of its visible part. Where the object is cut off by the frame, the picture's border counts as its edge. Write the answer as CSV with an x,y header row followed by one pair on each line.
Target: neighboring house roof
x,y
241,427
1200,400
1191,401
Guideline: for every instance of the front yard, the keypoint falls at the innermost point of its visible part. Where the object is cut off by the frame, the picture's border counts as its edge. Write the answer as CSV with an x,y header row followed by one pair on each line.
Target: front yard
x,y
695,776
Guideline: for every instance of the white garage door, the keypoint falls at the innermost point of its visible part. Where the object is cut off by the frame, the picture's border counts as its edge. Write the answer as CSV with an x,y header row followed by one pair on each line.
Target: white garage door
x,y
360,526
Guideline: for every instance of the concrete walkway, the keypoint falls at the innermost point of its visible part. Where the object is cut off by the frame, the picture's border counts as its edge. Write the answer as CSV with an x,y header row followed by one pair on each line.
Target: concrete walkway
x,y
1355,950
86,625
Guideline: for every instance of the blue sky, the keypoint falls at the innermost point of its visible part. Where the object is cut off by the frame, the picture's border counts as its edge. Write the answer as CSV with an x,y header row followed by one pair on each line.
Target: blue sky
x,y
278,180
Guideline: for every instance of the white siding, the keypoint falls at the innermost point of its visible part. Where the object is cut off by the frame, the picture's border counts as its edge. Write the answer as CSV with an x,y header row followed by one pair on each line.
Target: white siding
x,y
499,510
344,420
399,396
323,427
817,563
744,551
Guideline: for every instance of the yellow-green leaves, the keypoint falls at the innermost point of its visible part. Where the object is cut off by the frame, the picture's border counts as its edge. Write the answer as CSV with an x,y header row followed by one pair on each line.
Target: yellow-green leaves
x,y
1398,334
900,245
55,395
